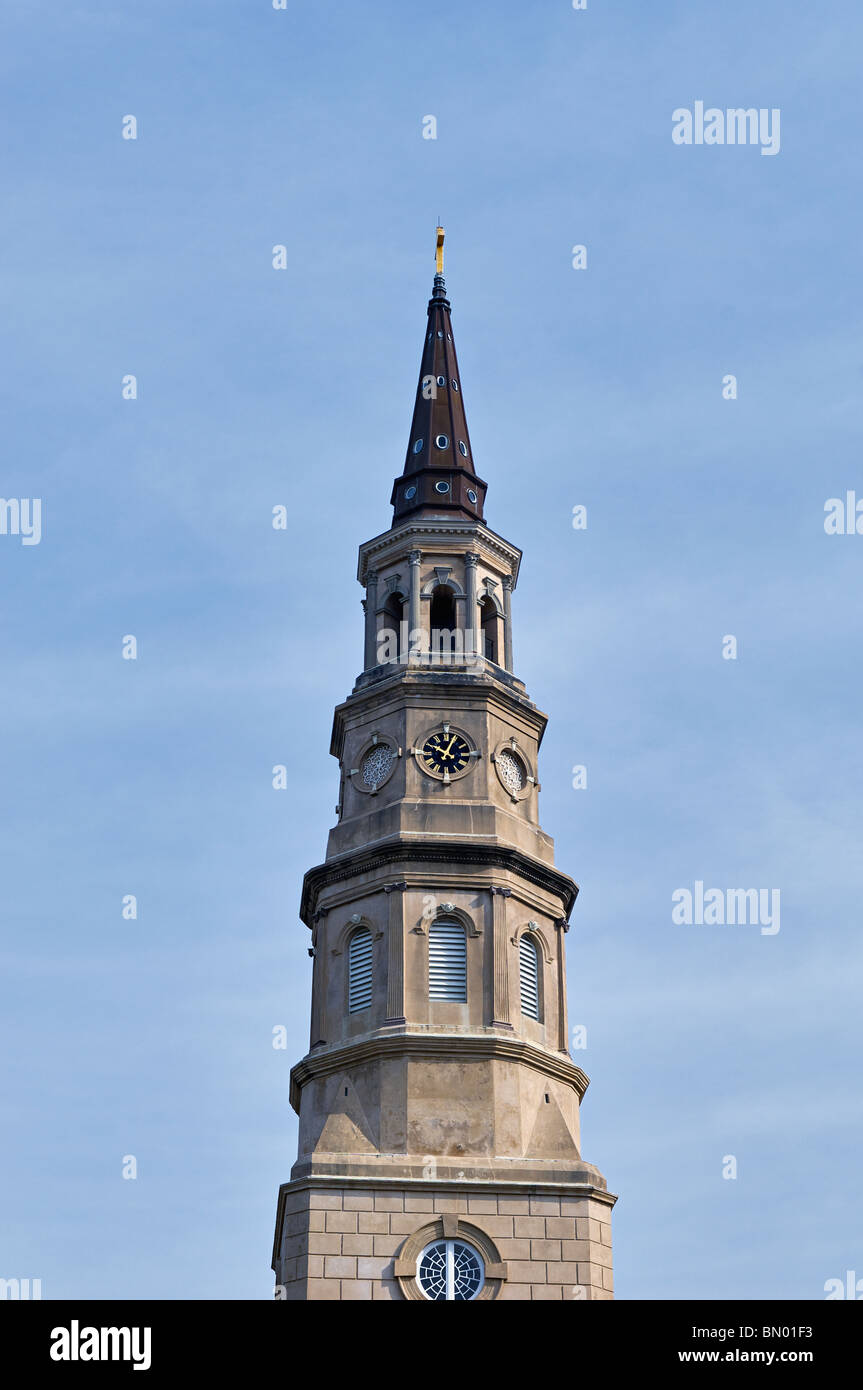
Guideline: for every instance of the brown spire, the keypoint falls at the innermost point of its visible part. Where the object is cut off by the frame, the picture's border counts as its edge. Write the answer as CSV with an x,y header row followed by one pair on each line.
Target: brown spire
x,y
438,477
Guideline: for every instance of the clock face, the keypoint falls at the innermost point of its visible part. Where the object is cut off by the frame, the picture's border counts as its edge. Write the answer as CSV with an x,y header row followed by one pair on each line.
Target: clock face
x,y
445,752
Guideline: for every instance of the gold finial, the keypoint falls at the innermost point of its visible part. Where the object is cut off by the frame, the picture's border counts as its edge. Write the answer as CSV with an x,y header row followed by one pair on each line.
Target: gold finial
x,y
439,256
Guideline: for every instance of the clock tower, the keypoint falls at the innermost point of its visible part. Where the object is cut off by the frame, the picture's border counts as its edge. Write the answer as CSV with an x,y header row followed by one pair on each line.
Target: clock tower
x,y
439,1147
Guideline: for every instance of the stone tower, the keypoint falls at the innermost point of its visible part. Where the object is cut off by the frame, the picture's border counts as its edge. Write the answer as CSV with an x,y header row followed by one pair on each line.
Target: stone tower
x,y
439,1151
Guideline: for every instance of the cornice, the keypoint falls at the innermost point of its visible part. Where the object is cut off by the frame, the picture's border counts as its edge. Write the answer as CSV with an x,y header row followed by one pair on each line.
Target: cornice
x,y
389,855
460,689
459,1047
402,536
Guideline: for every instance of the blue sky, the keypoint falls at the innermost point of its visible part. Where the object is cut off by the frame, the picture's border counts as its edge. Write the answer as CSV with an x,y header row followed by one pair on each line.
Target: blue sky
x,y
257,387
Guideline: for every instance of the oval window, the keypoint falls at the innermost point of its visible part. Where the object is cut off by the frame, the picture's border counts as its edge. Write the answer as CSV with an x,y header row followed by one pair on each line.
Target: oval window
x,y
471,495
418,446
454,384
462,447
410,492
441,487
441,381
441,441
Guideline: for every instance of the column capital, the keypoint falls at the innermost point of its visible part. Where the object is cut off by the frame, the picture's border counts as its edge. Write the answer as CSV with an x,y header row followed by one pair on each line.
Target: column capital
x,y
415,557
471,559
507,581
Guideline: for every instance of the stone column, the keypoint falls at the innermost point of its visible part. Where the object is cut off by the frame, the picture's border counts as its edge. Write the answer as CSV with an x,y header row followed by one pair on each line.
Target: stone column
x,y
507,621
371,606
500,1002
395,953
471,632
561,927
414,600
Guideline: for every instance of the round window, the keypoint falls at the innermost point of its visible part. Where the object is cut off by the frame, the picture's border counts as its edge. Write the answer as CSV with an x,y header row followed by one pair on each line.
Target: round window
x,y
512,772
376,764
418,446
410,492
471,495
440,335
441,441
441,487
450,1271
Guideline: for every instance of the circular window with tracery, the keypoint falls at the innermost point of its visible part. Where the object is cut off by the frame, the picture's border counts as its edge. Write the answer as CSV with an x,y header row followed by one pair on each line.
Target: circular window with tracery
x,y
376,765
512,771
450,1271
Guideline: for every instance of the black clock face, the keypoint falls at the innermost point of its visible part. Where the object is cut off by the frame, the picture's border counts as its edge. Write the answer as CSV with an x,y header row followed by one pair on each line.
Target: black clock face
x,y
445,752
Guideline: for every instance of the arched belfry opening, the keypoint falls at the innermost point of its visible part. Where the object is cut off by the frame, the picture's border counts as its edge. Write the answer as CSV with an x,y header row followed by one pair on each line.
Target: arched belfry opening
x,y
489,629
393,613
442,622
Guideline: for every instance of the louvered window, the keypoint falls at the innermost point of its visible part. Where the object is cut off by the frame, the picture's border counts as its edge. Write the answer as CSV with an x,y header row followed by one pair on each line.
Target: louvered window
x,y
528,970
360,971
448,961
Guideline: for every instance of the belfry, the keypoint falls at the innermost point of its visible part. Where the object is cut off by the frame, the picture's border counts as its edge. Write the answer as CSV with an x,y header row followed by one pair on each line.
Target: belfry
x,y
439,1147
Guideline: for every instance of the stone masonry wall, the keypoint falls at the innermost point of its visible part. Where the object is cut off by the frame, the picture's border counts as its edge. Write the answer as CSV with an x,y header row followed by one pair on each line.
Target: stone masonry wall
x,y
340,1243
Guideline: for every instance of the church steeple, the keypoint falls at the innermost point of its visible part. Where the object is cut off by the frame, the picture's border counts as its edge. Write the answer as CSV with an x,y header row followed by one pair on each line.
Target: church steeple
x,y
439,1152
439,478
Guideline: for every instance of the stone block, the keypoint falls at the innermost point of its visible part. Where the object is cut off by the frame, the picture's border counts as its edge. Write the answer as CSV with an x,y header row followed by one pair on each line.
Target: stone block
x,y
514,1293
321,1290
357,1245
388,1292
529,1226
525,1272
576,1250
374,1267
325,1201
387,1201
560,1227
322,1244
457,1204
387,1245
545,1249
514,1249
340,1267
546,1293
356,1291
342,1221
419,1204
587,1230
545,1206
359,1201
372,1222
498,1227
513,1206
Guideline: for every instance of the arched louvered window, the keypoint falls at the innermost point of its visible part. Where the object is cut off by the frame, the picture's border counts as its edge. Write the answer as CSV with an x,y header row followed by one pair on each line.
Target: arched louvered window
x,y
528,974
448,960
360,970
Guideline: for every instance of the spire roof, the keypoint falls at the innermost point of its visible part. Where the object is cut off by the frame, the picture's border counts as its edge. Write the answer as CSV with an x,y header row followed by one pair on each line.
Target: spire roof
x,y
438,477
